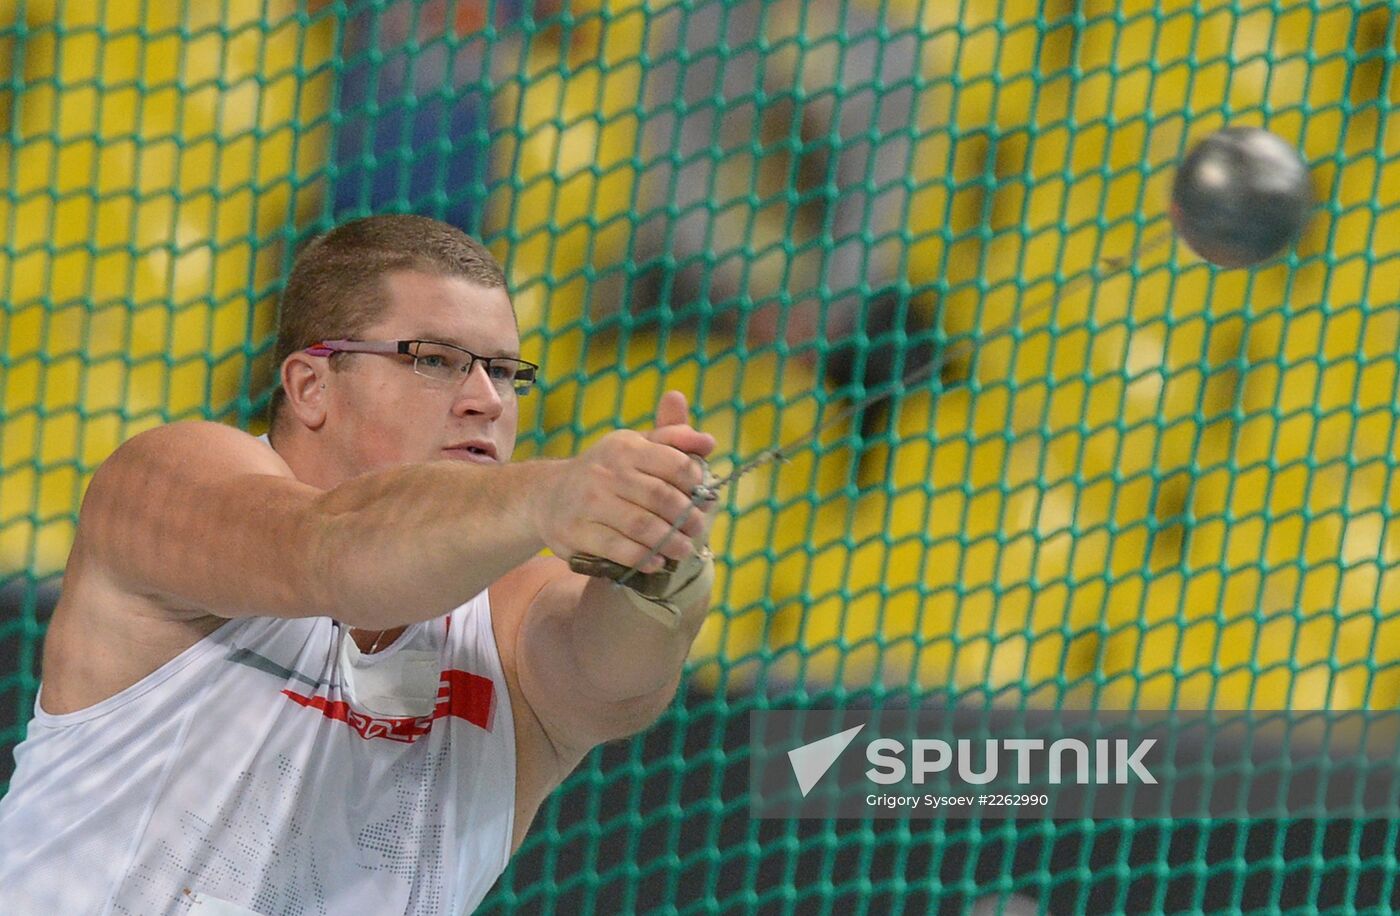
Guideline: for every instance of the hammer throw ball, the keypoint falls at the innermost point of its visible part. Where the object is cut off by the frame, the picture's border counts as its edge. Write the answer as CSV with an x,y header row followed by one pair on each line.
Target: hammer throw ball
x,y
1241,196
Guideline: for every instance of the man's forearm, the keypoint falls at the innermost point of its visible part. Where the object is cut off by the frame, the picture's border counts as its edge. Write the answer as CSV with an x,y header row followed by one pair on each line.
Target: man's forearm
x,y
410,544
625,652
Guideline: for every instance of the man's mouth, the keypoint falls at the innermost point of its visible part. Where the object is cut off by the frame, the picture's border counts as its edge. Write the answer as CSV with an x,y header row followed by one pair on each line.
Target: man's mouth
x,y
480,452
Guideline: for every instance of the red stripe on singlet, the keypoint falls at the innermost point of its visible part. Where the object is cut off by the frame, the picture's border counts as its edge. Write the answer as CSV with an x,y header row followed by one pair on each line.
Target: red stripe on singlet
x,y
461,695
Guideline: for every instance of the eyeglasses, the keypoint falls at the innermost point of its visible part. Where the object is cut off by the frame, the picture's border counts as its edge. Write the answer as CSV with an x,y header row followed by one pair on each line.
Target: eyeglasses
x,y
441,362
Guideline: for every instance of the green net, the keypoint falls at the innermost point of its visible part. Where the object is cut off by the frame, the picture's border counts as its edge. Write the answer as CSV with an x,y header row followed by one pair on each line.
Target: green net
x,y
1171,489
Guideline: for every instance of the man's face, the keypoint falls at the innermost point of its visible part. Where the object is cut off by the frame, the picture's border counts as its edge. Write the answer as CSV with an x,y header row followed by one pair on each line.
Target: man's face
x,y
382,414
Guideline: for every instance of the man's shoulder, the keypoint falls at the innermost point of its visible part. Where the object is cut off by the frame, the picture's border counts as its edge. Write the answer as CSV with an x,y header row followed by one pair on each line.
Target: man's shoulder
x,y
108,631
172,492
159,462
215,445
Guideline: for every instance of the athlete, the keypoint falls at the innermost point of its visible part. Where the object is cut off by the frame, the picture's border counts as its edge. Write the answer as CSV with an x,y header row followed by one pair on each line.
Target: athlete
x,y
329,671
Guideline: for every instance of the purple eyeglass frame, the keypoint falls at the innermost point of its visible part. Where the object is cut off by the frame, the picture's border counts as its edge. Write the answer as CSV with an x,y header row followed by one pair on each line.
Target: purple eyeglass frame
x,y
392,347
327,347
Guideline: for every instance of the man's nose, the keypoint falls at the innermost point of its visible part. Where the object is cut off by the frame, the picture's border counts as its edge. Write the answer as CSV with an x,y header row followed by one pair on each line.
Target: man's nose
x,y
478,394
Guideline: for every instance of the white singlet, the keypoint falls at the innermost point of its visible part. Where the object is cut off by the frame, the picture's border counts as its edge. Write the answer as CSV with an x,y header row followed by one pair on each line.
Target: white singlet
x,y
273,769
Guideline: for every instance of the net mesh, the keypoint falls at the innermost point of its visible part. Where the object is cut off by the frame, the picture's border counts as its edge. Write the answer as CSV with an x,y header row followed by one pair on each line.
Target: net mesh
x,y
1171,488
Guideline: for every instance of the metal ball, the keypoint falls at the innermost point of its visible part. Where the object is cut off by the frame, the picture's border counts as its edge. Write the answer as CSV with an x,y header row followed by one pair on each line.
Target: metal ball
x,y
1241,196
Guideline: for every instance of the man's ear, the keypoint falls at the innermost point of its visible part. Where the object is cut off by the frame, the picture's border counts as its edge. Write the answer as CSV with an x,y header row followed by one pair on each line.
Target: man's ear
x,y
304,383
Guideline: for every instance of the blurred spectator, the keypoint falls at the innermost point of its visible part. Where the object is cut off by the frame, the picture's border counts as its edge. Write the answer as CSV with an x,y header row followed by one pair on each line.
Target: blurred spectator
x,y
415,105
778,143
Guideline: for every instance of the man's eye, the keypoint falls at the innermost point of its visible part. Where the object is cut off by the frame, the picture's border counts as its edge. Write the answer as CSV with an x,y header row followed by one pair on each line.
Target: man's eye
x,y
502,373
433,362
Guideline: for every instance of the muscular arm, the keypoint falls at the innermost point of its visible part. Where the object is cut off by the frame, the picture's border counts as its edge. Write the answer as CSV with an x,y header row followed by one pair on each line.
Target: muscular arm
x,y
205,519
202,519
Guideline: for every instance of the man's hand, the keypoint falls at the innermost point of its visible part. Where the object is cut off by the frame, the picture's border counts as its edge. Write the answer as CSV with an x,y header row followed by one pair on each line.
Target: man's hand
x,y
618,499
673,429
